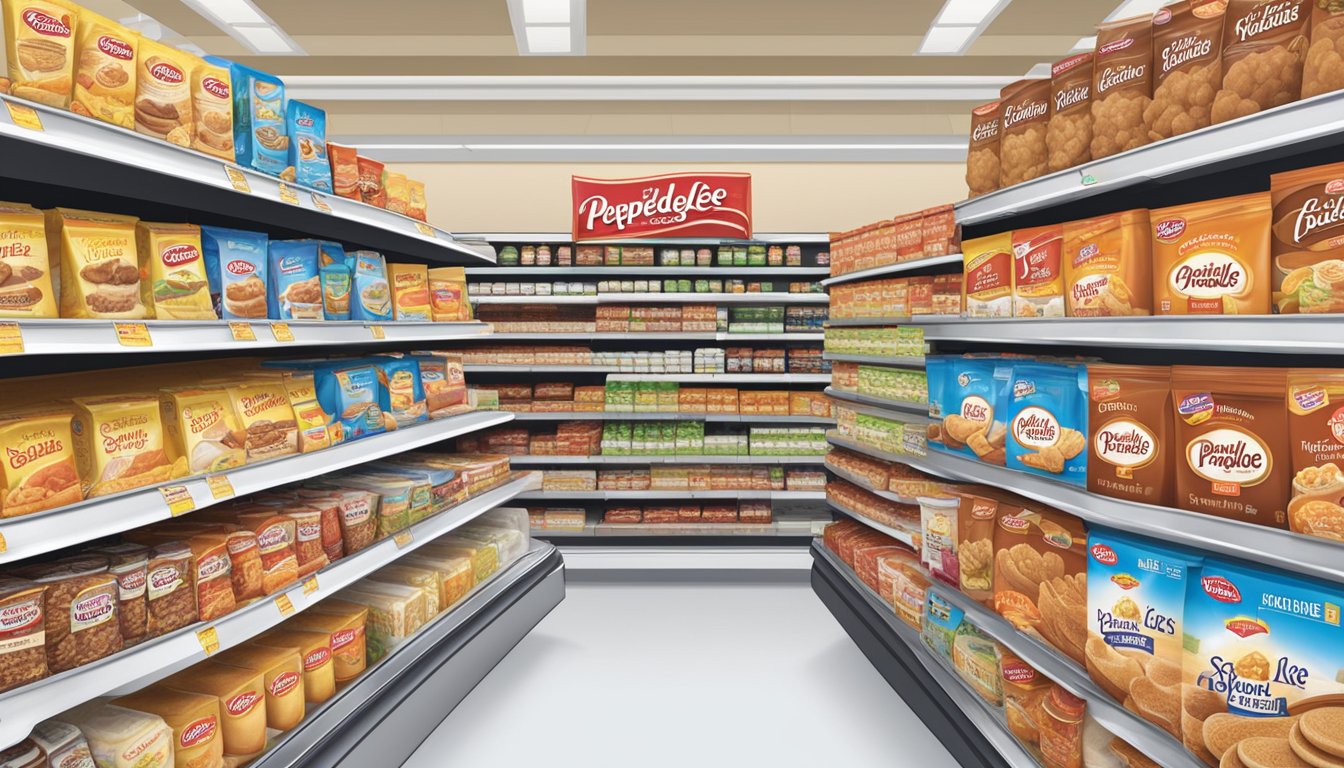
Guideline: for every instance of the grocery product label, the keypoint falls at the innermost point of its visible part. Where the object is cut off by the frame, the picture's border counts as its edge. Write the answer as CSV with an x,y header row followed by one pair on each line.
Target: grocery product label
x,y
310,585
282,333
425,229
1211,257
320,203
1308,240
92,607
1108,266
988,267
241,704
1068,136
198,732
982,158
1047,419
284,605
288,195
24,116
1024,116
133,335
11,339
237,179
1129,420
209,640
163,580
242,331
284,683
1038,281
178,498
1264,49
669,205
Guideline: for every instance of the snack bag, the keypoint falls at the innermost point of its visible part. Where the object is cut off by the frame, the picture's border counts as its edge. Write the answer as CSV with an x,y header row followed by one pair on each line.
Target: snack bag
x,y
1316,438
119,444
1264,50
335,270
177,287
163,93
371,189
1040,573
401,393
982,158
397,197
351,393
99,267
212,106
25,269
373,295
1129,427
416,205
235,264
448,295
1307,239
39,471
972,424
988,267
344,170
307,129
40,50
1122,85
295,285
1212,257
105,70
1068,137
410,292
1025,115
1187,66
1047,421
201,425
1108,266
1322,72
260,140
1038,272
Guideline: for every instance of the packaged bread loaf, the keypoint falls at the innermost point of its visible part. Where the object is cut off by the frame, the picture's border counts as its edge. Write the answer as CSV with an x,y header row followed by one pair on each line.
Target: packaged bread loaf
x,y
23,653
1324,68
105,70
281,669
1264,51
982,158
123,738
1187,66
1122,85
40,50
1068,137
319,681
81,609
212,571
26,282
1024,115
344,622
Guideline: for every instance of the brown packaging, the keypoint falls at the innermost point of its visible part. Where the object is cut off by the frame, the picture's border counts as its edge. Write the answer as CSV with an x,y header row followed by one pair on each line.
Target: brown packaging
x,y
23,659
171,588
1307,239
1232,438
982,158
1187,66
1316,437
1212,257
976,516
129,564
1040,574
1129,418
1108,266
1068,138
1264,49
80,607
1025,113
1324,69
1122,85
40,50
1038,267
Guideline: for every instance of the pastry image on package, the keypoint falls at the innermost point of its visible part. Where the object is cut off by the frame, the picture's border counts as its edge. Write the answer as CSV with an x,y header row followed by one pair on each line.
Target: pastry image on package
x,y
1316,439
177,287
371,177
1187,66
105,70
119,444
212,108
1038,272
989,271
344,170
373,293
201,425
1024,116
294,279
236,266
1047,421
38,470
1068,137
40,50
1040,574
968,408
1212,257
1129,424
1122,85
1264,50
99,266
1307,240
163,93
1324,68
260,140
25,271
982,158
266,418
307,128
336,270
1108,266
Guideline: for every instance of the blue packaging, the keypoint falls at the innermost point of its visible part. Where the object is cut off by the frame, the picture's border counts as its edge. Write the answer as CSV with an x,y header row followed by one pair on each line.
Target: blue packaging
x,y
349,390
260,137
296,289
235,265
967,394
307,128
337,273
372,297
1047,421
402,393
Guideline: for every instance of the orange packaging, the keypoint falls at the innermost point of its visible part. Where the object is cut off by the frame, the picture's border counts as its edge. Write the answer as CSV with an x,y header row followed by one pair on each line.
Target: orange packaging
x,y
909,233
1068,138
1108,266
1040,573
371,189
1212,257
1307,239
1129,420
988,267
1316,437
448,295
194,718
319,680
410,292
1025,116
1038,271
282,678
397,196
345,624
982,157
1187,66
938,230
242,702
344,170
1122,85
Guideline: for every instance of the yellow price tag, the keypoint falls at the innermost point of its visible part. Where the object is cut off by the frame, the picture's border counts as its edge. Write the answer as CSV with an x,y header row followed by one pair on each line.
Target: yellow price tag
x,y
282,333
209,640
310,585
288,194
4,545
178,498
237,179
220,487
378,332
133,335
242,331
402,539
11,339
24,116
286,607
320,204
425,229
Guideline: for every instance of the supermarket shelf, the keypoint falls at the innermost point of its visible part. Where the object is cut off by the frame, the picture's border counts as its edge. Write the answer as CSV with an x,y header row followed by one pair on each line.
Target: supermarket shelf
x,y
534,299
665,530
492,368
684,558
904,537
743,495
93,156
865,485
1146,737
90,337
505,336
381,717
1269,334
54,529
865,322
535,461
727,378
835,438
22,708
778,297
962,721
728,418
818,336
903,407
566,238
1296,127
894,269
599,269
891,362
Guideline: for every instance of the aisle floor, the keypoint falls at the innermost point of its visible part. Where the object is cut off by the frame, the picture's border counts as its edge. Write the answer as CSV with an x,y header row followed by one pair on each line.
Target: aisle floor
x,y
684,674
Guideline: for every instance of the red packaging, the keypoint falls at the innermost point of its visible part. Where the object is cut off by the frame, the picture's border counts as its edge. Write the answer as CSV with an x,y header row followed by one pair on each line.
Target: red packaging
x,y
371,188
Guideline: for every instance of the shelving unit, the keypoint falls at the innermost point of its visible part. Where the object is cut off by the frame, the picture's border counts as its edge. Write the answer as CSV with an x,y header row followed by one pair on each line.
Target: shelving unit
x,y
726,378
905,537
721,418
675,494
890,362
506,336
890,270
899,408
865,485
533,461
777,297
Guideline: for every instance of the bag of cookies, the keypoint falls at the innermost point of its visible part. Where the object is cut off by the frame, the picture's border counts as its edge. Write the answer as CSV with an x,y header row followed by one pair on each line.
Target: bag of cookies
x,y
40,50
235,265
163,93
371,176
295,282
1307,239
105,72
344,170
201,426
988,268
1068,137
1040,574
1024,115
99,266
1135,603
1122,85
1024,692
1212,257
212,108
119,444
39,470
1187,66
1324,68
25,269
1264,50
982,157
1047,421
1038,271
977,512
1108,265
1232,431
307,128
971,423
177,287
1316,436
1129,425
266,418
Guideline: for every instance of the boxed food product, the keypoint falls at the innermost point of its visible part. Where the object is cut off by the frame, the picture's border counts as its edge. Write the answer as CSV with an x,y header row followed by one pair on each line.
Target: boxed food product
x,y
344,622
307,129
1108,265
99,268
319,680
266,417
1038,269
1024,116
105,70
1129,427
241,695
983,167
410,292
1212,257
1046,418
212,108
42,472
447,295
1122,85
163,93
1040,574
123,738
201,426
1068,136
396,611
235,265
40,50
281,668
1264,50
336,274
119,444
259,133
373,293
25,270
938,231
989,276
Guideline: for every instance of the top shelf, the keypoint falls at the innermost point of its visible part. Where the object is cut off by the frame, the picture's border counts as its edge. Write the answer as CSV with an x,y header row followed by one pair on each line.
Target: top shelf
x,y
768,238
894,269
1292,128
77,152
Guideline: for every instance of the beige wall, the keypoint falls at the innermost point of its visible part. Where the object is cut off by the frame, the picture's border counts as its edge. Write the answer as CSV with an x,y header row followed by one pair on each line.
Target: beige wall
x,y
787,197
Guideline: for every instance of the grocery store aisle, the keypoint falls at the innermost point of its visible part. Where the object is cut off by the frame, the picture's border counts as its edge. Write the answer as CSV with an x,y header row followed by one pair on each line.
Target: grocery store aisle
x,y
677,674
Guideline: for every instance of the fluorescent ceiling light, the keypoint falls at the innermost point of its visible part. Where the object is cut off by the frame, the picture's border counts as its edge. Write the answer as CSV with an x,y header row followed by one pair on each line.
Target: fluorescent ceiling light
x,y
968,12
1085,44
1131,8
546,11
548,40
1040,70
946,40
230,11
247,24
264,39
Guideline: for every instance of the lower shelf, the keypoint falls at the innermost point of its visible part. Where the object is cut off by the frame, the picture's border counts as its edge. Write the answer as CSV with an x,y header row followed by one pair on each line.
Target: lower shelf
x,y
386,713
700,556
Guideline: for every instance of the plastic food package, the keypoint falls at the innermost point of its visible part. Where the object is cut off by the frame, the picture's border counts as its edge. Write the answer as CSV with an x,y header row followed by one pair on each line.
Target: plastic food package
x,y
123,738
307,129
99,265
344,622
241,695
281,668
1068,137
261,141
1122,85
50,476
194,718
319,677
235,265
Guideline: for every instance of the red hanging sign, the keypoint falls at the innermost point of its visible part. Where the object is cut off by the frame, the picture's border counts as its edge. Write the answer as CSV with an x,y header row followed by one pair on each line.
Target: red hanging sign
x,y
666,206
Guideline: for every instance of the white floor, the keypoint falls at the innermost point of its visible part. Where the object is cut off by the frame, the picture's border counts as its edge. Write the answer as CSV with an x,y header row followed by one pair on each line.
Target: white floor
x,y
684,674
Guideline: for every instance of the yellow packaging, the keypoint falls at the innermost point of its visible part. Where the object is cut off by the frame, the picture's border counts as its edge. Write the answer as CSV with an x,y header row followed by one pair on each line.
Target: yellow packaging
x,y
105,70
410,292
40,50
315,432
201,425
988,265
25,270
163,93
398,196
212,110
416,205
95,256
119,444
267,418
447,295
38,471
176,288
